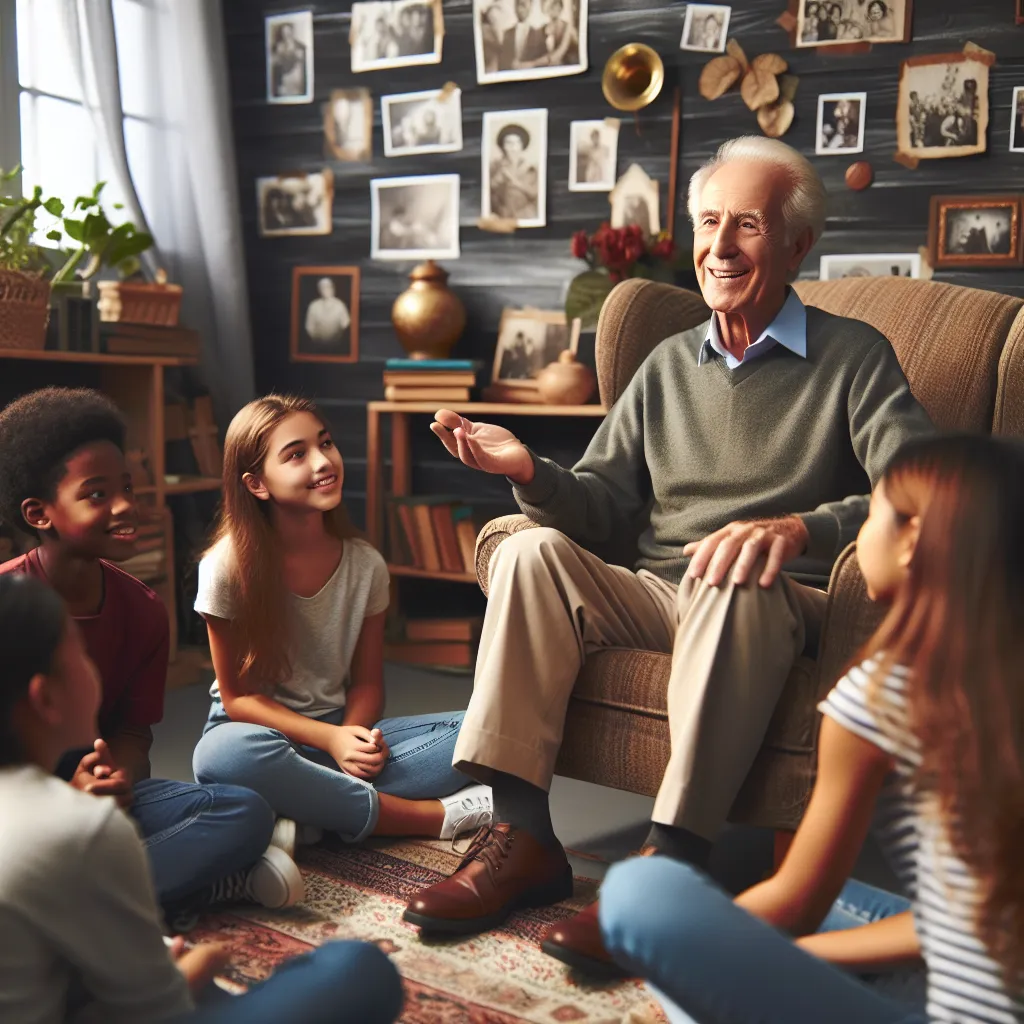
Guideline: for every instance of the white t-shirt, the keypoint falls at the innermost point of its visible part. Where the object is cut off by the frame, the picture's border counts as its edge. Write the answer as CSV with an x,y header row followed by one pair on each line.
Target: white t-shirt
x,y
325,628
80,934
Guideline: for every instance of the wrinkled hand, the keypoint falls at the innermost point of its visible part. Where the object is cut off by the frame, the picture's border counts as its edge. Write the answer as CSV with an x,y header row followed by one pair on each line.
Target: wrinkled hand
x,y
97,773
484,446
738,546
359,752
200,964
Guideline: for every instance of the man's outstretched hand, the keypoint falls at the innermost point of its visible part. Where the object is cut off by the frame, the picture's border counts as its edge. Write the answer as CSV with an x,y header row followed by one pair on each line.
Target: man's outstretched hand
x,y
738,546
484,446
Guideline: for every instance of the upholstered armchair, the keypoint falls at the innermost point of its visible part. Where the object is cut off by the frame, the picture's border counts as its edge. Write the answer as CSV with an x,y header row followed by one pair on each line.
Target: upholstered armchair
x,y
962,350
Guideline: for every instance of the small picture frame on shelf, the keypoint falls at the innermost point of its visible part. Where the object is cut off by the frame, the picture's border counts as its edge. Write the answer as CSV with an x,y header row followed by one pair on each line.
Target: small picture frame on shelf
x,y
975,231
875,264
529,340
325,315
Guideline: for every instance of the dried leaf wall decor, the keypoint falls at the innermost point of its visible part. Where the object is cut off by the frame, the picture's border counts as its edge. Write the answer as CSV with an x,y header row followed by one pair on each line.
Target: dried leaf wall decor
x,y
719,75
763,91
759,88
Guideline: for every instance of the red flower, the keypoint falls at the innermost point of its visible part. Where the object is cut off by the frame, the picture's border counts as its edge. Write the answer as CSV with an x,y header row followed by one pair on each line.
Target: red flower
x,y
580,244
663,250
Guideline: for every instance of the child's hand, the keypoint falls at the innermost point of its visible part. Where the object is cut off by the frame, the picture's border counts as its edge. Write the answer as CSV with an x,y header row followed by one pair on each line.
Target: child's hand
x,y
360,752
98,774
200,964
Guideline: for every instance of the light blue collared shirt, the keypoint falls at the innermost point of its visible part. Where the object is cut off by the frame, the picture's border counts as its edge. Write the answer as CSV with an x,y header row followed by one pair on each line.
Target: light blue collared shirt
x,y
788,329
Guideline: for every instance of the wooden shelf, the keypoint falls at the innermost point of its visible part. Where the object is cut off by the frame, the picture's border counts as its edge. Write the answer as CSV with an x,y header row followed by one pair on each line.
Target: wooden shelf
x,y
427,574
97,358
186,485
490,408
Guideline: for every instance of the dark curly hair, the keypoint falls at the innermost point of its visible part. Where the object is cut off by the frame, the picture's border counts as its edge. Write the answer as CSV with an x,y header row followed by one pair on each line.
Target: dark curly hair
x,y
38,432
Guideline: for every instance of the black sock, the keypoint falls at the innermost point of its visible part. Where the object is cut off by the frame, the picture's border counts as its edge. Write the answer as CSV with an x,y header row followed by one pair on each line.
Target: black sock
x,y
523,805
679,844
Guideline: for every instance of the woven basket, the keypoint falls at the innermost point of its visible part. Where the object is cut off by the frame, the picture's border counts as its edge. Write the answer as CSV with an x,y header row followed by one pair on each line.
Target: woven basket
x,y
133,303
24,310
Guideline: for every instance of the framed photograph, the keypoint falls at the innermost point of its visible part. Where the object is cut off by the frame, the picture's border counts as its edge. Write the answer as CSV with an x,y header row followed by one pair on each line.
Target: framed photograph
x,y
1017,119
348,125
530,339
942,107
1020,12
635,201
515,166
706,28
295,204
593,155
876,264
841,22
289,46
975,231
415,218
422,122
395,34
516,40
325,315
840,123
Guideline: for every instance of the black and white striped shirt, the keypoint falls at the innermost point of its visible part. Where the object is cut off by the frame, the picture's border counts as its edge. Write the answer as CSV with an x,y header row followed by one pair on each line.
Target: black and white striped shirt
x,y
964,984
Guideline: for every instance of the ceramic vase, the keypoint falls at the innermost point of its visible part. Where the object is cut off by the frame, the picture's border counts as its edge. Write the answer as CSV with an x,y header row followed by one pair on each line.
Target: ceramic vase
x,y
428,317
566,382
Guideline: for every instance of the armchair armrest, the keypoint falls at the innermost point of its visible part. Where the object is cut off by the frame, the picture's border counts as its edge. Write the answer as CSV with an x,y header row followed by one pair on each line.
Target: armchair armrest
x,y
490,537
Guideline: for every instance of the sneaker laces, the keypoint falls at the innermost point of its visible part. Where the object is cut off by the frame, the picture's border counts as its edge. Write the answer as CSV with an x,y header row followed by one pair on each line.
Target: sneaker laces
x,y
469,825
233,888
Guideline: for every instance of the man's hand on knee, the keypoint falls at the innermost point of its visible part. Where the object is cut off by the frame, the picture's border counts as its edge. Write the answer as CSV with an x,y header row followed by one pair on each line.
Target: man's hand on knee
x,y
736,548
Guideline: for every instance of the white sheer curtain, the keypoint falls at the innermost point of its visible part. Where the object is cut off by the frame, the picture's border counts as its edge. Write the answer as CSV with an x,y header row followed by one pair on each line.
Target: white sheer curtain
x,y
163,62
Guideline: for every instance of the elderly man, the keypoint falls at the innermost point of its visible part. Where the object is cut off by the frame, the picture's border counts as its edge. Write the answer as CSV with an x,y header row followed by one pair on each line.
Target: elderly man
x,y
749,442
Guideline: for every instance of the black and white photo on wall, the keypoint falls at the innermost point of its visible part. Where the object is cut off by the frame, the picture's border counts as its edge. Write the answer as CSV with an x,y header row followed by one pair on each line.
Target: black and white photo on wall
x,y
705,28
975,231
942,109
325,315
840,126
841,22
422,122
289,51
348,125
593,155
415,217
1017,120
634,200
515,160
876,264
516,40
295,204
529,340
395,34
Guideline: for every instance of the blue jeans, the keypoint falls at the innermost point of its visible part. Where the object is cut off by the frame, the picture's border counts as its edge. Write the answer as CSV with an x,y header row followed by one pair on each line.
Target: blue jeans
x,y
338,983
720,965
307,785
195,835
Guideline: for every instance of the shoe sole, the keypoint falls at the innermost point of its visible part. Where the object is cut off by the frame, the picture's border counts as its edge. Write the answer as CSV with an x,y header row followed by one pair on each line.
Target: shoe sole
x,y
542,896
276,881
583,963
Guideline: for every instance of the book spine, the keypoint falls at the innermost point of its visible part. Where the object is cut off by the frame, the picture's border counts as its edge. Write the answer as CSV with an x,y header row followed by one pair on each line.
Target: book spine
x,y
425,394
425,365
429,380
397,547
457,655
465,531
453,630
425,534
405,517
447,543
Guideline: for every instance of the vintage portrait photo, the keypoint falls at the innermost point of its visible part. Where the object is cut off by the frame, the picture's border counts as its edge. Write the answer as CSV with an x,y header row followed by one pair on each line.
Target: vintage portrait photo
x,y
348,125
942,108
515,162
840,123
415,218
706,28
879,264
634,200
422,122
325,315
593,155
396,34
838,22
522,39
1017,120
530,339
295,204
289,45
978,231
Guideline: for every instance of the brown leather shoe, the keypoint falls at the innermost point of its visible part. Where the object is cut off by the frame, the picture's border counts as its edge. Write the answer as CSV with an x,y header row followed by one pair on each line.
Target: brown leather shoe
x,y
505,870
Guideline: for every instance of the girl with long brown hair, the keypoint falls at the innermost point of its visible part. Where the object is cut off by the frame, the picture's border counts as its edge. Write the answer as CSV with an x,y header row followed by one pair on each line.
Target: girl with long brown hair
x,y
294,600
924,735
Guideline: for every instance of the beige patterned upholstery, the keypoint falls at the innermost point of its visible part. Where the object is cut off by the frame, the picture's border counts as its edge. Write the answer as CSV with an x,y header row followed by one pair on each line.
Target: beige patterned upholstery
x,y
963,352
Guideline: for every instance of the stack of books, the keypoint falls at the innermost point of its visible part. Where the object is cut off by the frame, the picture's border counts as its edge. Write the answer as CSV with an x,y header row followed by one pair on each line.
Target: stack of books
x,y
449,642
148,564
429,380
436,534
148,340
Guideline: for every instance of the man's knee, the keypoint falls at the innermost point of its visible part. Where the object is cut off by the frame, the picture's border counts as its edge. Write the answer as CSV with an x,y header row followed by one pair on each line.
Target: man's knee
x,y
530,547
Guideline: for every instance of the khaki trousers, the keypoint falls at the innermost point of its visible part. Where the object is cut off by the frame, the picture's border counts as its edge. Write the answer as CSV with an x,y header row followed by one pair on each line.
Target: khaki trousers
x,y
552,603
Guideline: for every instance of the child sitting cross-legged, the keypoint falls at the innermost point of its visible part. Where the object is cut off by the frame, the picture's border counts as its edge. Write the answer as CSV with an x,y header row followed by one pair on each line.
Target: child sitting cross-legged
x,y
64,480
294,603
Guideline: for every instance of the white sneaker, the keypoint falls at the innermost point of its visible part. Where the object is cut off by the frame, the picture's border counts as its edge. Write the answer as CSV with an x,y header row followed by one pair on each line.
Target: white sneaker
x,y
308,835
466,811
273,881
285,835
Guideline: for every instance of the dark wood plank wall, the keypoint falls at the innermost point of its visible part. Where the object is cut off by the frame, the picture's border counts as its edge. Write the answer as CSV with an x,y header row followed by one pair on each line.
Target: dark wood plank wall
x,y
533,266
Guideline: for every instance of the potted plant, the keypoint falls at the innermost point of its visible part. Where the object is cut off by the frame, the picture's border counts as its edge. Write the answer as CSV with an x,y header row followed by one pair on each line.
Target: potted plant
x,y
612,255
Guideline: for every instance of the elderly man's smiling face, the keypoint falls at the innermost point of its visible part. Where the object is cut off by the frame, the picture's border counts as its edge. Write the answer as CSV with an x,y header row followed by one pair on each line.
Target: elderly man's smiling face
x,y
742,248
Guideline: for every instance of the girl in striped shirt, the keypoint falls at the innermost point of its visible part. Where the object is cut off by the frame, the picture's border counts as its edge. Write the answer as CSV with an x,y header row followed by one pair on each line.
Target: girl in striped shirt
x,y
923,739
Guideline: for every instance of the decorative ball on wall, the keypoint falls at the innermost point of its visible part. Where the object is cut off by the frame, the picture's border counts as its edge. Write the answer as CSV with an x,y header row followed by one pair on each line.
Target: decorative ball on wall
x,y
859,175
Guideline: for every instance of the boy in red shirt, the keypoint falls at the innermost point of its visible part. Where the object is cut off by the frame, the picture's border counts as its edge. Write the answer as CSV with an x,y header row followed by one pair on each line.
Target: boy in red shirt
x,y
63,478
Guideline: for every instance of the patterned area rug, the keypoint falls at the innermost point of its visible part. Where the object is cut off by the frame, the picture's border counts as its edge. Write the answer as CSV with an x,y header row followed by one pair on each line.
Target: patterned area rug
x,y
498,978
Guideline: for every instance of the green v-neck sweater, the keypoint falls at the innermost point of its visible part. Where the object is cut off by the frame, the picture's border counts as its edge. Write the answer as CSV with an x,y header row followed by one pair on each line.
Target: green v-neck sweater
x,y
704,446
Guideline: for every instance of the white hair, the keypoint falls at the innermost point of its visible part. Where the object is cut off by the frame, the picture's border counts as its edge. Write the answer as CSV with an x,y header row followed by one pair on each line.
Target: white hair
x,y
804,207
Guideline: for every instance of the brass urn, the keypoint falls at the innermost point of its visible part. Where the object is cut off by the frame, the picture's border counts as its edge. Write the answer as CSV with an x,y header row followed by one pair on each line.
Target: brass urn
x,y
428,317
566,382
